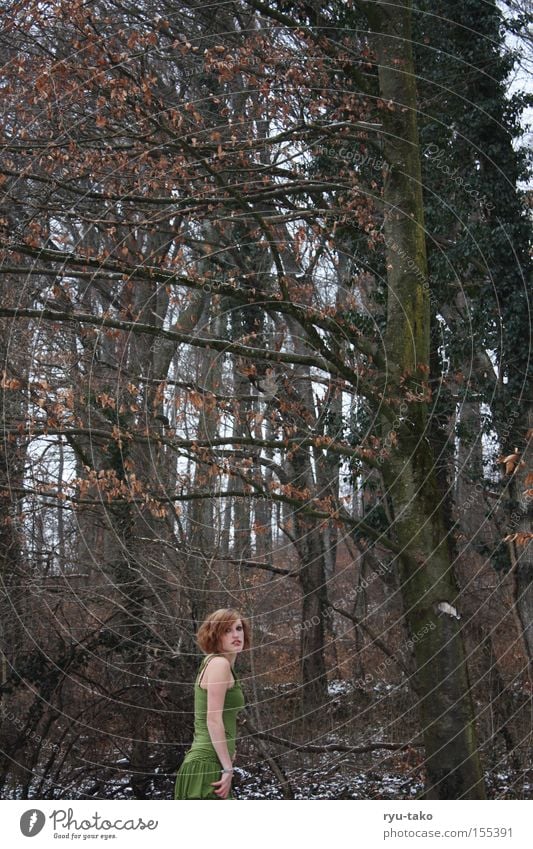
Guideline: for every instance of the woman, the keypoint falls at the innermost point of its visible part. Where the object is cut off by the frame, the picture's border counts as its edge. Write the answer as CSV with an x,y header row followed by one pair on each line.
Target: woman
x,y
207,769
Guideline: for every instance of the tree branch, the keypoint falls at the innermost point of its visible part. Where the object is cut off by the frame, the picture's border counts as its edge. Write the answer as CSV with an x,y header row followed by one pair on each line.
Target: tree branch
x,y
375,639
187,339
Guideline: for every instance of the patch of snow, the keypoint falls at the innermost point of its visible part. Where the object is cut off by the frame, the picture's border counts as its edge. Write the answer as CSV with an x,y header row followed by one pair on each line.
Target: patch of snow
x,y
338,687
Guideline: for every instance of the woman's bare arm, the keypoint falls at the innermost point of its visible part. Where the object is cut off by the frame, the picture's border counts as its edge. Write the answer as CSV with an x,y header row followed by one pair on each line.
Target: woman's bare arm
x,y
218,679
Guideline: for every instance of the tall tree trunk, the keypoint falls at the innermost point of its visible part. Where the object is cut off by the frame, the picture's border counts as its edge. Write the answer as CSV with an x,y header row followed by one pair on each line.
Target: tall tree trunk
x,y
310,548
242,542
453,768
308,540
201,512
14,571
523,554
11,569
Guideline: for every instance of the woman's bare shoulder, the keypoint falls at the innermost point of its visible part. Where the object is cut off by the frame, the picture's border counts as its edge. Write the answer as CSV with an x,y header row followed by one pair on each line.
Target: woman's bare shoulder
x,y
218,661
218,668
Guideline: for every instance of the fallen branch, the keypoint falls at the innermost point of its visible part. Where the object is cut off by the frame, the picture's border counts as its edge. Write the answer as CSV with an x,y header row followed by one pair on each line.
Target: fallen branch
x,y
335,747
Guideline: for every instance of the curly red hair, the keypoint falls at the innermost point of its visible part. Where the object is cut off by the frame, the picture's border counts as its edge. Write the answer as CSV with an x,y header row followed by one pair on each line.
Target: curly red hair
x,y
212,628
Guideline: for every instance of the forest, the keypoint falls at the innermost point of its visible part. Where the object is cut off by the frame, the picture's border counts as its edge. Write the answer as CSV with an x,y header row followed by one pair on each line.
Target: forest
x,y
265,343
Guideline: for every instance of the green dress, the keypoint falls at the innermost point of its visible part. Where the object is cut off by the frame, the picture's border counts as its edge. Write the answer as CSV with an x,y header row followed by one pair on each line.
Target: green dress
x,y
201,765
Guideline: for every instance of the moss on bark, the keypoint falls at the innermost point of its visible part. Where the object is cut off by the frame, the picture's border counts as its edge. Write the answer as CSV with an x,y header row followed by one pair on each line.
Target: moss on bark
x,y
446,709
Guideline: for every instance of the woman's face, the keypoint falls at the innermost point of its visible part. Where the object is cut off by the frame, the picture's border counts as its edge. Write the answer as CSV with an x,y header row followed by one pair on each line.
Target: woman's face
x,y
232,637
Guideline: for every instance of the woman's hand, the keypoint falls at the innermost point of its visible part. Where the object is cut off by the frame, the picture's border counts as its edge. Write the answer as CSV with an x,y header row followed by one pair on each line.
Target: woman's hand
x,y
223,785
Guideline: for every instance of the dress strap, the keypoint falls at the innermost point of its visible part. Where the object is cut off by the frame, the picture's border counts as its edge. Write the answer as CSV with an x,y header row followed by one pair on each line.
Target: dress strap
x,y
203,666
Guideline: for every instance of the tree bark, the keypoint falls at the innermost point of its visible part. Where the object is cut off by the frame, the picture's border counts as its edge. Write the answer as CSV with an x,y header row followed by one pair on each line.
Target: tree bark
x,y
523,554
427,579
